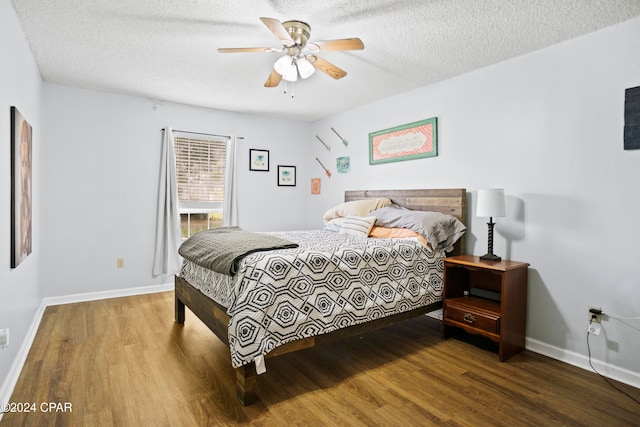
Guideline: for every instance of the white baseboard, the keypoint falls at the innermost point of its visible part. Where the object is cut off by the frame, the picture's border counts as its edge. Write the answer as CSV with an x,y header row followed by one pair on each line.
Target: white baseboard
x,y
21,358
18,363
93,296
576,359
435,314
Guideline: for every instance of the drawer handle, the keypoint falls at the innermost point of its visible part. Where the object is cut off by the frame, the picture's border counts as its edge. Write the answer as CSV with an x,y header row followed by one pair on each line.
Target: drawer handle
x,y
469,318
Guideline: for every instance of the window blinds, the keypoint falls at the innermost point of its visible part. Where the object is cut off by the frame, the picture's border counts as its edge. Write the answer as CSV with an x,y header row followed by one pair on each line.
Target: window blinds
x,y
200,169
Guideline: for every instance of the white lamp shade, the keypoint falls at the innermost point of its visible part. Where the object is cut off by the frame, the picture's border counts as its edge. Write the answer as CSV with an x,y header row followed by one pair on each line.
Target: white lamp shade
x,y
286,68
490,203
305,68
283,64
291,75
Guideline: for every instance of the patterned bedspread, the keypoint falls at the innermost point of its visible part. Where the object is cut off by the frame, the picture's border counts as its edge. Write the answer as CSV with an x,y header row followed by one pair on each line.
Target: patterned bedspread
x,y
330,281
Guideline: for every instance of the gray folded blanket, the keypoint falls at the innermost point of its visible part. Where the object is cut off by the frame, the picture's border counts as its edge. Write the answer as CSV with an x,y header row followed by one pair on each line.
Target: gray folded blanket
x,y
221,249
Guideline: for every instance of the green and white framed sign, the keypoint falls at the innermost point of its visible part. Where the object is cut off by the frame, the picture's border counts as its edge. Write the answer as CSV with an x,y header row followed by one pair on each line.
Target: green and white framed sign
x,y
407,142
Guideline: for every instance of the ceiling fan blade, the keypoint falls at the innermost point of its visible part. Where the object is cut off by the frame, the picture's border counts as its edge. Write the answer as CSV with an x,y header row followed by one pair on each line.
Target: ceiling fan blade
x,y
327,67
278,30
273,80
247,49
340,44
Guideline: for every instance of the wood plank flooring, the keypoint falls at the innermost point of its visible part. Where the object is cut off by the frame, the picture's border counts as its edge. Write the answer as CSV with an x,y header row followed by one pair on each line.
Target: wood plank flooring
x,y
124,362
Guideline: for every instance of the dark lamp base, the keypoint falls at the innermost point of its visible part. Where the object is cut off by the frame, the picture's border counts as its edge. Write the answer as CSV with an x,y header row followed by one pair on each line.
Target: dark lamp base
x,y
490,257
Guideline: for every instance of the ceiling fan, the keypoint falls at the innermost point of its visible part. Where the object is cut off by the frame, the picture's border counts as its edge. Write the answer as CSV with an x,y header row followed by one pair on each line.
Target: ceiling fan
x,y
300,57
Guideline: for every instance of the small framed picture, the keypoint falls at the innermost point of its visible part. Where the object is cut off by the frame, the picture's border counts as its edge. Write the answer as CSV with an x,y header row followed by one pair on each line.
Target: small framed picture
x,y
286,176
315,185
258,160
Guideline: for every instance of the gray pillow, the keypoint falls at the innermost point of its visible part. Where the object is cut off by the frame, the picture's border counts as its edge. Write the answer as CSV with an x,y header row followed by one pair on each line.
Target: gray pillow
x,y
440,230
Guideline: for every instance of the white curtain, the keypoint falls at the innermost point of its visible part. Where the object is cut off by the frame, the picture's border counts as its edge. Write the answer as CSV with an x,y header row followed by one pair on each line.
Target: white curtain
x,y
168,235
230,210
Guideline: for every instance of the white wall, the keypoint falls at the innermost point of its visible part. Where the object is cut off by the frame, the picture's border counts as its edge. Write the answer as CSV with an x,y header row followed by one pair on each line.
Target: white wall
x,y
20,86
548,128
101,179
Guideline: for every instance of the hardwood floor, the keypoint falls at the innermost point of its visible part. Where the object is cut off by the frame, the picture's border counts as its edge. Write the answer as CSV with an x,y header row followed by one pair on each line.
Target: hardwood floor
x,y
125,362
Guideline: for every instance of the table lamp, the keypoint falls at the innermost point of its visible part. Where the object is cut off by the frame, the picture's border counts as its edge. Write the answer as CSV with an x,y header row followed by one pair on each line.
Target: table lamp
x,y
490,204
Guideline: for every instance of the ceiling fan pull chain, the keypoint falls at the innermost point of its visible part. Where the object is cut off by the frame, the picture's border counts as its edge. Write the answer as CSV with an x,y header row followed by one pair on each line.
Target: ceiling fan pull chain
x,y
292,88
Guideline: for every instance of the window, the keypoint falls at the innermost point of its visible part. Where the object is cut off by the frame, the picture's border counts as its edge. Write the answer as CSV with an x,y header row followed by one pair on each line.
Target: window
x,y
200,172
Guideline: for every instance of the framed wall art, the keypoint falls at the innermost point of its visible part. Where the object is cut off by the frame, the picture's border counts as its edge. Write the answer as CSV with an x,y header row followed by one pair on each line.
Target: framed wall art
x,y
343,164
286,176
315,185
406,142
21,152
632,119
258,160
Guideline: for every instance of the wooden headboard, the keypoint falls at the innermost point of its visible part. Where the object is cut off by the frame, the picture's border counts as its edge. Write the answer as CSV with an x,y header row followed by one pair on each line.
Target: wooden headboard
x,y
450,201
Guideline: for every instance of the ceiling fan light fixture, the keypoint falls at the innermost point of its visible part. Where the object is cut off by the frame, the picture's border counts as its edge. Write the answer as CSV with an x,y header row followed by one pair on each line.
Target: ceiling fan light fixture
x,y
305,68
286,67
283,64
292,75
299,60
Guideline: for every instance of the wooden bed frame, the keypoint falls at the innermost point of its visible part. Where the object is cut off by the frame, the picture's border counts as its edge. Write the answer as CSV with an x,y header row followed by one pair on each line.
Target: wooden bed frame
x,y
214,315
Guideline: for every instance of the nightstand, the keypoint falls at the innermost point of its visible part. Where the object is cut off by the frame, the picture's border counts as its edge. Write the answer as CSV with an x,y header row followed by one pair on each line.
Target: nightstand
x,y
486,298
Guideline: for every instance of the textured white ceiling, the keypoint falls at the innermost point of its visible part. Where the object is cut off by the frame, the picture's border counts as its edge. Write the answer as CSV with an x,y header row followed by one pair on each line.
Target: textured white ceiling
x,y
166,49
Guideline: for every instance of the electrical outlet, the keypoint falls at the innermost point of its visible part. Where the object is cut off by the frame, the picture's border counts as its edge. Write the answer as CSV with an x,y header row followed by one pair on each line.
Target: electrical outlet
x,y
595,314
4,338
593,329
120,263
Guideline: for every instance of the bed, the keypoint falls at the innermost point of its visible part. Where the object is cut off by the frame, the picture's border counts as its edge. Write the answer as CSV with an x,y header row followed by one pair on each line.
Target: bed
x,y
293,298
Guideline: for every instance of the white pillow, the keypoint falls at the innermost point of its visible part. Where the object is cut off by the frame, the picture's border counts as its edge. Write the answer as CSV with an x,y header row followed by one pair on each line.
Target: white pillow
x,y
358,225
335,224
355,208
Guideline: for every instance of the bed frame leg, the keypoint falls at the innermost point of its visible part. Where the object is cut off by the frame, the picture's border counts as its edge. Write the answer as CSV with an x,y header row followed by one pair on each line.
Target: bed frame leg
x,y
246,383
179,311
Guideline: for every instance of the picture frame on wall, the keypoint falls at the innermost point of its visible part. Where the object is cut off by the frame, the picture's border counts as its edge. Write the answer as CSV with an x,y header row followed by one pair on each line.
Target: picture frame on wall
x,y
406,142
632,118
315,185
21,181
258,160
286,176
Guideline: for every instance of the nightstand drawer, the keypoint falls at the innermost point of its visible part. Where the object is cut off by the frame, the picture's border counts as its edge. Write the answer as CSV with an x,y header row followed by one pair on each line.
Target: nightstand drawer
x,y
484,315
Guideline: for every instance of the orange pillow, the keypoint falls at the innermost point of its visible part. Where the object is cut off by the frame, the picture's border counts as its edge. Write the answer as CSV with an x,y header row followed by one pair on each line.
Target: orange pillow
x,y
397,233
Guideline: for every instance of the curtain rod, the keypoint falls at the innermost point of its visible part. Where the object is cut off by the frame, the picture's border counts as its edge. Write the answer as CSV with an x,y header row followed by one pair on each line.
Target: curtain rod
x,y
206,134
